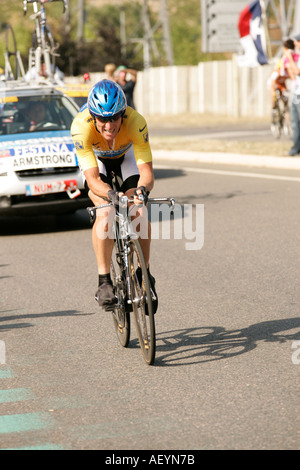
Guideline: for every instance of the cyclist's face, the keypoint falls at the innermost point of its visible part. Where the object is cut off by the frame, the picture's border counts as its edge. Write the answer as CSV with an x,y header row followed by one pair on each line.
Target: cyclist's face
x,y
109,129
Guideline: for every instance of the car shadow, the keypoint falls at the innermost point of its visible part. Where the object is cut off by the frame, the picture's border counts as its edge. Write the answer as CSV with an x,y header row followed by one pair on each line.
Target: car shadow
x,y
160,173
79,220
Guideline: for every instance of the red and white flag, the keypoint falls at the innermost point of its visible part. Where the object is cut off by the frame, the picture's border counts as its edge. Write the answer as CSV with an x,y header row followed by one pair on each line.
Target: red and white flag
x,y
253,38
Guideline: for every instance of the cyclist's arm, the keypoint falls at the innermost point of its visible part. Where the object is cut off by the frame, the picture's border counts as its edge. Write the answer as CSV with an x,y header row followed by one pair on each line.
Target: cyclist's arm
x,y
290,65
81,132
146,176
95,183
138,133
292,70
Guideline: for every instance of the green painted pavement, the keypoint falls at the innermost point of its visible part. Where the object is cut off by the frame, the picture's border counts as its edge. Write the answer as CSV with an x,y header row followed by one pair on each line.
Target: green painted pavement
x,y
25,422
15,394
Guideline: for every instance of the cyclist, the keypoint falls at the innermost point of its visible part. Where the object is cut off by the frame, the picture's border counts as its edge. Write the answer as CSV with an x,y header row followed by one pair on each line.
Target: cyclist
x,y
293,66
280,75
110,136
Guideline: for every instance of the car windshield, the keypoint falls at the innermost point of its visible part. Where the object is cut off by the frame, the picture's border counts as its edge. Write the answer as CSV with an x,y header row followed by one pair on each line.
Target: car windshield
x,y
80,100
35,114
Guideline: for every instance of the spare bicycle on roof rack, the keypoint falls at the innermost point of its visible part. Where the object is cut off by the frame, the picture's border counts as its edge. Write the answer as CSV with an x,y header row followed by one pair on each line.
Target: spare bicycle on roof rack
x,y
44,49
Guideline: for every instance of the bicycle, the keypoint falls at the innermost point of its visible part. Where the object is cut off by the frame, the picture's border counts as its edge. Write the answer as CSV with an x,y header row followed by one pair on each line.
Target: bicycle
x,y
130,279
280,116
44,48
13,62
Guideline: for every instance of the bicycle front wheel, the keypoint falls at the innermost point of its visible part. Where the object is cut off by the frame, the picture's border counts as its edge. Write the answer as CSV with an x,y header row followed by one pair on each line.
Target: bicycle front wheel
x,y
287,125
142,301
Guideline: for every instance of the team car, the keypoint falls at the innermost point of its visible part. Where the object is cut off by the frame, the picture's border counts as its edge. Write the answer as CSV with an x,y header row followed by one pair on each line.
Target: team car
x,y
39,171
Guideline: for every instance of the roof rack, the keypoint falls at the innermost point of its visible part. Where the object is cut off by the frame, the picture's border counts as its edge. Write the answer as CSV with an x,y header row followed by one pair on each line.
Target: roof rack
x,y
41,62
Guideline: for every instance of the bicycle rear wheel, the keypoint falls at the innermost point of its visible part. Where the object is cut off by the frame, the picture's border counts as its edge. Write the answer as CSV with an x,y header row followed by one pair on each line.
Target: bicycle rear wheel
x,y
142,302
120,313
276,124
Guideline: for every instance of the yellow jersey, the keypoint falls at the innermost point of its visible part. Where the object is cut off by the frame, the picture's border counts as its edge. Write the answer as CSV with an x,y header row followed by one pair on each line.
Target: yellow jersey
x,y
90,145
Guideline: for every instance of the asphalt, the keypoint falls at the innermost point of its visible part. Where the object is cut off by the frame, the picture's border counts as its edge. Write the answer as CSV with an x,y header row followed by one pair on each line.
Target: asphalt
x,y
289,163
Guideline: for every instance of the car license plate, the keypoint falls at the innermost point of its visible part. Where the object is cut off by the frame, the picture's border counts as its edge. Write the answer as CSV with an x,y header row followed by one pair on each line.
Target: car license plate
x,y
69,186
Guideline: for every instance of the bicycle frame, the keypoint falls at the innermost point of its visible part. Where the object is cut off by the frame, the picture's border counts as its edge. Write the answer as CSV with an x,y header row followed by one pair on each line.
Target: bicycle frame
x,y
122,231
133,290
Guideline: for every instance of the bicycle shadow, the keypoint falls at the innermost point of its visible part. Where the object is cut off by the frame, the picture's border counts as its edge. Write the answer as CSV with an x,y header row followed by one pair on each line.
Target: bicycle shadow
x,y
206,344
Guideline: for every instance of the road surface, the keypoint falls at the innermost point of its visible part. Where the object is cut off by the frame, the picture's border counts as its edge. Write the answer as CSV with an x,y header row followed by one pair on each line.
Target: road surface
x,y
227,371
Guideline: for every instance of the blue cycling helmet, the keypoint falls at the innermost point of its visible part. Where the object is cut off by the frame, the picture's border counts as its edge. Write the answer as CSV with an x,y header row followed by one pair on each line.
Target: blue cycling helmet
x,y
106,99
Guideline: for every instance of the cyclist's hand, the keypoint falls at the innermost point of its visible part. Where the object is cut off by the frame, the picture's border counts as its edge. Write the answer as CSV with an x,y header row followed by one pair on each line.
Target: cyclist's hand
x,y
113,196
141,191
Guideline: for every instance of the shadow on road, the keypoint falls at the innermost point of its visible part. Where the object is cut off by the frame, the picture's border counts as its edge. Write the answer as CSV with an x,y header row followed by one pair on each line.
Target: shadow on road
x,y
168,173
206,344
5,321
44,224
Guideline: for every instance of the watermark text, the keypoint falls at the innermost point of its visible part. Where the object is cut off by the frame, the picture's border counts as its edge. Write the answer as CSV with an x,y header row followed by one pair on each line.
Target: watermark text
x,y
179,222
296,353
2,353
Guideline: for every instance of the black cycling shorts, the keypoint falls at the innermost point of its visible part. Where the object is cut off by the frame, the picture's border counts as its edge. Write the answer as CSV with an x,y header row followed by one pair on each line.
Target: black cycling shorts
x,y
116,177
122,171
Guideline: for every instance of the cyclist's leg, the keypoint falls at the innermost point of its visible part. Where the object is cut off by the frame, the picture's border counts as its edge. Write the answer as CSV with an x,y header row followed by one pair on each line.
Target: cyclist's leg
x,y
103,242
139,217
295,120
102,234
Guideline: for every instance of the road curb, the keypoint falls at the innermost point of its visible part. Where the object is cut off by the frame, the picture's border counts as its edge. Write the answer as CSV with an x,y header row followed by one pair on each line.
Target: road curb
x,y
289,163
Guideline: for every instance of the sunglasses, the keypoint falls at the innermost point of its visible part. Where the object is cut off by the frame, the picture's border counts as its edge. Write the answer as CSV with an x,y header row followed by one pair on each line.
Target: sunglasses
x,y
111,118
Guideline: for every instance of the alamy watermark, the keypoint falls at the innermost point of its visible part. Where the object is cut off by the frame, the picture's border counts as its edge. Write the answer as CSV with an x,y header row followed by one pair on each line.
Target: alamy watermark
x,y
2,353
296,353
179,222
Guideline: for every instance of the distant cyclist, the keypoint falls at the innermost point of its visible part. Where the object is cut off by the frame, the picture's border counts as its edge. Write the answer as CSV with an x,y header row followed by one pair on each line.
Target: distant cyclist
x,y
110,136
281,74
293,66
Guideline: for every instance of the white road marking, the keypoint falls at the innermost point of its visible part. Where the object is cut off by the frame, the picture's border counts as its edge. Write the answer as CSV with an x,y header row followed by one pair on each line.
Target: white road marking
x,y
233,173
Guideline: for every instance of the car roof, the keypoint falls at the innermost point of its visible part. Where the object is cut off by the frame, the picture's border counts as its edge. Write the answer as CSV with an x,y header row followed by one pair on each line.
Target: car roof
x,y
22,89
75,90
